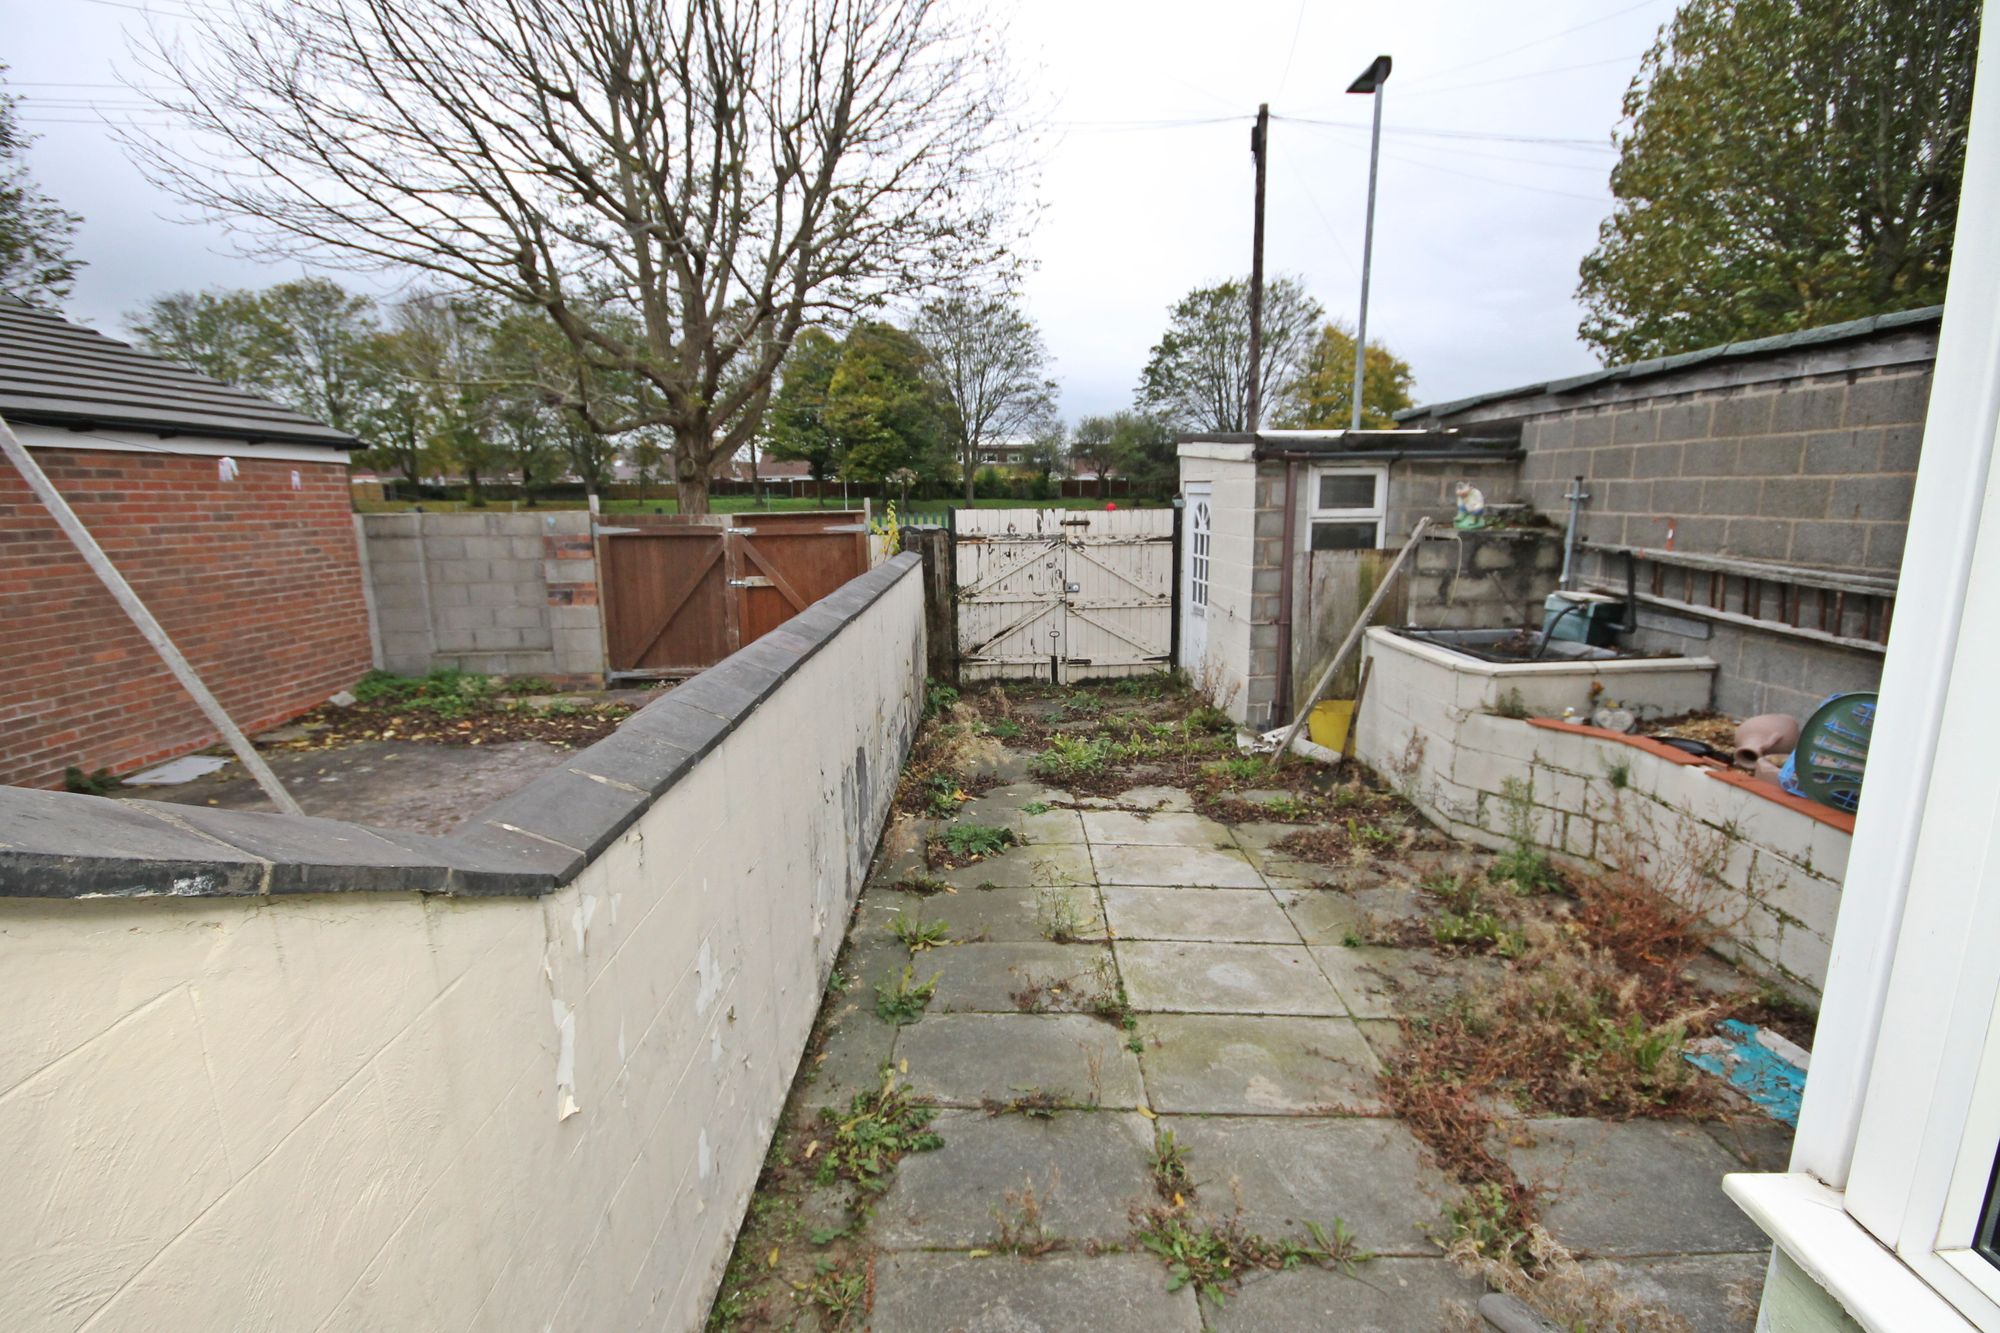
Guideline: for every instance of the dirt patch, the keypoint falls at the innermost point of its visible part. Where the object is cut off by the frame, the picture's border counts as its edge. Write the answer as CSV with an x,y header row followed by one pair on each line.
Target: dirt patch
x,y
457,708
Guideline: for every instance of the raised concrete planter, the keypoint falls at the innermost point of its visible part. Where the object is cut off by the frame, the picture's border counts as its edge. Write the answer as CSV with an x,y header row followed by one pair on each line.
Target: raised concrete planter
x,y
1767,867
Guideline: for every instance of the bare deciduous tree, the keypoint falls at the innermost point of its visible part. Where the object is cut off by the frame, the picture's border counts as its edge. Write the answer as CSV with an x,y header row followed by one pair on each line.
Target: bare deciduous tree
x,y
679,185
990,360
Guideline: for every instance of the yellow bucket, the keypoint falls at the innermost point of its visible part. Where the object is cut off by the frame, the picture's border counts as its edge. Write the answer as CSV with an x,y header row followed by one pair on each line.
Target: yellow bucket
x,y
1328,722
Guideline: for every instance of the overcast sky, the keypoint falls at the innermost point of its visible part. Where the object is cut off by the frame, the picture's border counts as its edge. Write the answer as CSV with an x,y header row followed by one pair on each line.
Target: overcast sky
x,y
1495,158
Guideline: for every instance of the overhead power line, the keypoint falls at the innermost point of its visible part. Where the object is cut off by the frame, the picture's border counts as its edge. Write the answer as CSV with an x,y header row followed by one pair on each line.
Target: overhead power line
x,y
1429,75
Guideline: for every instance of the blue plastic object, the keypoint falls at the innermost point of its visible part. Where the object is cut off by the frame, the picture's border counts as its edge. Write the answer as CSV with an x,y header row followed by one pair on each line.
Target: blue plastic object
x,y
1832,754
1756,1071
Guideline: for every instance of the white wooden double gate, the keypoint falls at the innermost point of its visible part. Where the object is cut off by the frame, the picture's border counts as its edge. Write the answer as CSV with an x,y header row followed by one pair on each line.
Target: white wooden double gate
x,y
1064,594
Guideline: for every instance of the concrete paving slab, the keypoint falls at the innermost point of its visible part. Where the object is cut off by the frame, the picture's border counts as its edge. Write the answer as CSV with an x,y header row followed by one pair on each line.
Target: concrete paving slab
x,y
1756,1143
1638,1187
1210,867
1323,916
989,915
1087,1170
1715,1293
964,1059
1393,983
1026,867
1242,915
1381,1296
1167,828
1224,979
1140,798
1005,807
1122,1293
1233,1064
857,1045
1369,1173
984,978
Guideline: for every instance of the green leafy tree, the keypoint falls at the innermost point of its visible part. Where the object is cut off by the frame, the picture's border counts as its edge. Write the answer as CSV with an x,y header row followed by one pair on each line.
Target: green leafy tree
x,y
1785,163
221,334
1046,456
887,411
797,428
35,233
989,359
1321,396
1145,453
1094,447
1197,377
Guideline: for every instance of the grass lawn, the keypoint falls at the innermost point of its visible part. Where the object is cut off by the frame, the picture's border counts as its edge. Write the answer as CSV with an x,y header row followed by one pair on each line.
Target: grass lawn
x,y
736,504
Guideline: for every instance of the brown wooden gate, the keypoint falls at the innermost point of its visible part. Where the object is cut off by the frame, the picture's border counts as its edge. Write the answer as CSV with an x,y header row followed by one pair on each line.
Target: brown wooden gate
x,y
682,594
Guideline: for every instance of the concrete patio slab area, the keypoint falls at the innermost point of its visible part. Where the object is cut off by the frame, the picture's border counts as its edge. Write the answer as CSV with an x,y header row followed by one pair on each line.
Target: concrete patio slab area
x,y
1636,1187
1164,829
997,916
1209,867
1284,1173
1225,979
1230,1064
923,1293
966,1059
1382,1296
1249,916
1087,1172
1136,970
987,978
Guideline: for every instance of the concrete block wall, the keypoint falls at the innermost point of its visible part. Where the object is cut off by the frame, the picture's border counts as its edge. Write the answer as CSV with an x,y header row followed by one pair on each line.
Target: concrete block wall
x,y
502,594
1769,876
1421,487
405,1109
1483,579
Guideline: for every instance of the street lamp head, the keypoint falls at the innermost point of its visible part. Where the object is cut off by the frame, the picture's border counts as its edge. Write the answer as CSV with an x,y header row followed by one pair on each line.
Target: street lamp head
x,y
1371,78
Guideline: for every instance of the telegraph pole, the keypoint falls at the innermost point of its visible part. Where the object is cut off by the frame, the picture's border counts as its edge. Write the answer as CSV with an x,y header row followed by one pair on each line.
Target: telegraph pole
x,y
1259,136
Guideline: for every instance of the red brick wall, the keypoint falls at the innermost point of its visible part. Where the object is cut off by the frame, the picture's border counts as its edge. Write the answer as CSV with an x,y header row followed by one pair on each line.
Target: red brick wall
x,y
259,584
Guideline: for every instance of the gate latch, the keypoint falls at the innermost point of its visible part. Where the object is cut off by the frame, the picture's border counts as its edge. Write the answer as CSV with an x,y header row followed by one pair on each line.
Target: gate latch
x,y
1072,587
754,581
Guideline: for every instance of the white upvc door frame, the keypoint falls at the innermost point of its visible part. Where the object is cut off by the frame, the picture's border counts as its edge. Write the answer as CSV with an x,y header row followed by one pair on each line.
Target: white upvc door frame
x,y
1901,1120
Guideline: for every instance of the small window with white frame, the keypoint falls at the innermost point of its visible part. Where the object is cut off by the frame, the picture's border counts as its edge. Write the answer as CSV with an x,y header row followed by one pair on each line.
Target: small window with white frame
x,y
1347,508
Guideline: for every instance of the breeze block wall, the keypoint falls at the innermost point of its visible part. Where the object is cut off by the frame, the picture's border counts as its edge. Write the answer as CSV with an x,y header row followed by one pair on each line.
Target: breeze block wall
x,y
269,1071
257,580
501,594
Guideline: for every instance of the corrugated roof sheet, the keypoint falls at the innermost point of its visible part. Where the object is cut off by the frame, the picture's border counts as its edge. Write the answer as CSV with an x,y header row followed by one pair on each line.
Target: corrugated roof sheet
x,y
1664,365
56,373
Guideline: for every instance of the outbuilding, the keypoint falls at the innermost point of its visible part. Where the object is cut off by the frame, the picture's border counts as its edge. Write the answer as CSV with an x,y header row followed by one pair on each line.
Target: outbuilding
x,y
228,514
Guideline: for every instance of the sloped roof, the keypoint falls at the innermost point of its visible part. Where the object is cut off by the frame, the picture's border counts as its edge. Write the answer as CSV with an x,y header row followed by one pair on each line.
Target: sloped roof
x,y
56,373
1820,336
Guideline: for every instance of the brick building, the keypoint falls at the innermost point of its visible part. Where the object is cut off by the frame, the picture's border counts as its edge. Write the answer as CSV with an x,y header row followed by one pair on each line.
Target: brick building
x,y
228,514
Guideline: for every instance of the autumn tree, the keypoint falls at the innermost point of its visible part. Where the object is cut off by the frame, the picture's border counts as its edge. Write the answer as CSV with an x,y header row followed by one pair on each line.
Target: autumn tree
x,y
1197,376
35,232
1321,395
989,358
1783,164
678,189
1094,446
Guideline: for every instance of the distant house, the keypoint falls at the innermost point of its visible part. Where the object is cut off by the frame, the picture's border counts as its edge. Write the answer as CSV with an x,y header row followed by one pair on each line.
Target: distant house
x,y
230,516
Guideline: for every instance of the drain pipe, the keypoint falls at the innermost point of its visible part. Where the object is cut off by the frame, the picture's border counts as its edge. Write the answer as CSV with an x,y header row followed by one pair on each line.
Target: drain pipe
x,y
1576,496
1281,702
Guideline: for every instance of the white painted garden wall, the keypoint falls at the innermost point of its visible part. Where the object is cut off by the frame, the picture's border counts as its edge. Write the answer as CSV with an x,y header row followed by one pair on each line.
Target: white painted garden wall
x,y
389,1110
1431,723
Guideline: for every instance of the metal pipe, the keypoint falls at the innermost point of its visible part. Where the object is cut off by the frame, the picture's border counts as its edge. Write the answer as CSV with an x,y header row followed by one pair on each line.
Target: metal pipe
x,y
1576,496
1367,250
1283,697
128,600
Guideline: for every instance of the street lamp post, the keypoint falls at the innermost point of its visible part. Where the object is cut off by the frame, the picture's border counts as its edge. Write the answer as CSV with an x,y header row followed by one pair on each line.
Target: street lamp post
x,y
1370,82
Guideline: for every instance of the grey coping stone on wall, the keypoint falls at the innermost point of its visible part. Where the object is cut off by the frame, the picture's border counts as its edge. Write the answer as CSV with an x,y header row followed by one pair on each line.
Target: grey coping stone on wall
x,y
66,845
571,809
637,759
921,1292
310,855
491,844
